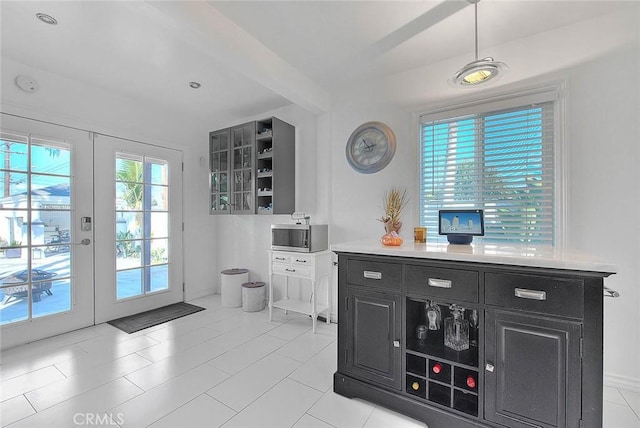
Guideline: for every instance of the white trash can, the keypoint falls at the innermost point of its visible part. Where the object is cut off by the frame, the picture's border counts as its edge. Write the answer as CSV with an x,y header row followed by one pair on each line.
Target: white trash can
x,y
253,296
231,286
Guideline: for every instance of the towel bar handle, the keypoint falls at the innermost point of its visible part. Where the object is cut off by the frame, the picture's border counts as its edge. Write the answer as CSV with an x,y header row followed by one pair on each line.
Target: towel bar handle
x,y
610,292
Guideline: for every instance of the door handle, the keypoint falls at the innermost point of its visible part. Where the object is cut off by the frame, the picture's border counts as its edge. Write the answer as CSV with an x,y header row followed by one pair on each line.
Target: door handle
x,y
85,241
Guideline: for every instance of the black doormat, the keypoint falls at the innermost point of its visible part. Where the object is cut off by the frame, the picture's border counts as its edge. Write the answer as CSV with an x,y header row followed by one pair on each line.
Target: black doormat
x,y
147,319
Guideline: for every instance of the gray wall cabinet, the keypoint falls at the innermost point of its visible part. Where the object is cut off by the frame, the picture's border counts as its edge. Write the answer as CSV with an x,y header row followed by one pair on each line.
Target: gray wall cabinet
x,y
252,168
535,352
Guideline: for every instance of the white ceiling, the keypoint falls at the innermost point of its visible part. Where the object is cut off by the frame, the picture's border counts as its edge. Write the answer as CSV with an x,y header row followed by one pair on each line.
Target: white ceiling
x,y
253,56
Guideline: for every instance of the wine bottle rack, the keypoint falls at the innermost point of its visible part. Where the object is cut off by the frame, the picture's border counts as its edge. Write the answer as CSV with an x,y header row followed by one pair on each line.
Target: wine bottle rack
x,y
436,373
264,163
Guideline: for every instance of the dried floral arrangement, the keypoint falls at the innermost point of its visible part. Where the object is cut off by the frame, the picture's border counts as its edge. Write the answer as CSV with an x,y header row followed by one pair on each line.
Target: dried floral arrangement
x,y
394,202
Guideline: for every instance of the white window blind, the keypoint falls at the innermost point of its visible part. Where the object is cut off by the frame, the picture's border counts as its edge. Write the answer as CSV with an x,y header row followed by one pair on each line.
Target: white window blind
x,y
499,161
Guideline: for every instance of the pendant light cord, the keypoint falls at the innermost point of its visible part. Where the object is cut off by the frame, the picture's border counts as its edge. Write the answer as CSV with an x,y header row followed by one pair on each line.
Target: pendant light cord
x,y
476,26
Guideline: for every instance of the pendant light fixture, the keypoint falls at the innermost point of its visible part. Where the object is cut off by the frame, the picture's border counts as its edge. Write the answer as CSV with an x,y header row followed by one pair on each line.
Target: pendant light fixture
x,y
481,70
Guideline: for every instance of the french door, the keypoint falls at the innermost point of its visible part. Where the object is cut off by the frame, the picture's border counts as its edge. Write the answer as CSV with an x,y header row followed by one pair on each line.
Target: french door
x,y
138,227
46,258
59,189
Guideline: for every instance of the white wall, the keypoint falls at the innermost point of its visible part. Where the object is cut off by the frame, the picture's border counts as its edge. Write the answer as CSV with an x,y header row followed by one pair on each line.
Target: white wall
x,y
604,195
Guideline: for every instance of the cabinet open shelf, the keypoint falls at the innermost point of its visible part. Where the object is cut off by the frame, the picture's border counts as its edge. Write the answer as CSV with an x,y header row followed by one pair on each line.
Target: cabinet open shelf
x,y
434,345
467,358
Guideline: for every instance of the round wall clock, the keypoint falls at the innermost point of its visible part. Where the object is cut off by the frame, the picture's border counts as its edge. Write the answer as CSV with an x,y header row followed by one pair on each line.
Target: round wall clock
x,y
371,147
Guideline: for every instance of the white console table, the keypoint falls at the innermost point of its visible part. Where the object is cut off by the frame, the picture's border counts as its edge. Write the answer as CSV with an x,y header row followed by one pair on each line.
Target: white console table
x,y
305,266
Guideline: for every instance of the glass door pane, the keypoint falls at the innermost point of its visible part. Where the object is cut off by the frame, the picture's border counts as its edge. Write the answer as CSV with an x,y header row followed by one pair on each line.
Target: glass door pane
x,y
139,220
141,225
219,170
35,228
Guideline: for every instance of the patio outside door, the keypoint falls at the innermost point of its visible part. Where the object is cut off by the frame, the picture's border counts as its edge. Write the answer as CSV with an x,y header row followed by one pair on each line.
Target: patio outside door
x,y
46,274
138,227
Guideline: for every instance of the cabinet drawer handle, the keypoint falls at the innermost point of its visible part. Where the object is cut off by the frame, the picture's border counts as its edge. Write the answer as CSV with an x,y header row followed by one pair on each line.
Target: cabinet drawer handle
x,y
440,283
280,258
301,261
372,275
290,270
523,293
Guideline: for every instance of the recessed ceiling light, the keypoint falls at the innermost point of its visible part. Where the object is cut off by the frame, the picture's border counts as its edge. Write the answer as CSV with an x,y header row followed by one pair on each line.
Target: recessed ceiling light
x,y
194,85
47,19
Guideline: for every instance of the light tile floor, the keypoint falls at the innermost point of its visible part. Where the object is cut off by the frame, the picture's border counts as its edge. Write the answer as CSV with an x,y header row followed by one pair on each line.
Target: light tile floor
x,y
217,368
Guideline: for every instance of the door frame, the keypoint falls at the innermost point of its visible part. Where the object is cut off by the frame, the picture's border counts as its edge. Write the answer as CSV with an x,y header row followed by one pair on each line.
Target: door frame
x,y
107,307
82,256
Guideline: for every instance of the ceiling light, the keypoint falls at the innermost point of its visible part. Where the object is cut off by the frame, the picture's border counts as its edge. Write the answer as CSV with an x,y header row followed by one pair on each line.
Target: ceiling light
x,y
47,19
480,70
194,85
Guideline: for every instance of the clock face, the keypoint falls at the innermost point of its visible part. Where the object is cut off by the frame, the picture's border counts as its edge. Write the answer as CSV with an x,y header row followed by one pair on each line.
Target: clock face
x,y
370,147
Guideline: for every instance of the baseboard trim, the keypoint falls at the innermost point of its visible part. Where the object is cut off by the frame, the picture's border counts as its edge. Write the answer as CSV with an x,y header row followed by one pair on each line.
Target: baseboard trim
x,y
622,382
196,294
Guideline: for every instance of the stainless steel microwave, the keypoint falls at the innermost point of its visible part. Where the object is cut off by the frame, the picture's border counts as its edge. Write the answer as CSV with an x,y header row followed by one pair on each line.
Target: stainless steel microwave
x,y
304,238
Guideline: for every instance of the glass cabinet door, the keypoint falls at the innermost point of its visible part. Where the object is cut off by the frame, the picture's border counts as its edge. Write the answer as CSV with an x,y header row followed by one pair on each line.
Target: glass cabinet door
x,y
219,172
242,166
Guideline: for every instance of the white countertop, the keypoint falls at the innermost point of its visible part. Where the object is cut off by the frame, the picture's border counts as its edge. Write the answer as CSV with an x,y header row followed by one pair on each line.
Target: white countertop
x,y
546,257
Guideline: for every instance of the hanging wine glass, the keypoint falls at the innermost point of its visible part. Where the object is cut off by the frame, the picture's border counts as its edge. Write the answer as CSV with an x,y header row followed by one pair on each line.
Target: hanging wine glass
x,y
433,315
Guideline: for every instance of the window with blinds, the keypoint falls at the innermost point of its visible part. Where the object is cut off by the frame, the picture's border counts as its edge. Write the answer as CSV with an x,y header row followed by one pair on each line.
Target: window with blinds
x,y
500,161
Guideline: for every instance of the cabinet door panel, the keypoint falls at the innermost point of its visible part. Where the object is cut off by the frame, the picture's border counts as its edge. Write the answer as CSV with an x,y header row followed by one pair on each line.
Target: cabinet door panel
x,y
242,165
533,375
374,326
219,171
